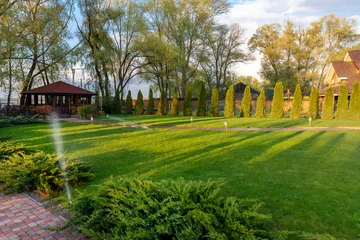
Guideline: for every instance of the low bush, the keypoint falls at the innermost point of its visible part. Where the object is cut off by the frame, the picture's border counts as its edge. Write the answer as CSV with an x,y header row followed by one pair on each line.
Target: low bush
x,y
43,110
6,121
8,149
126,208
89,110
37,171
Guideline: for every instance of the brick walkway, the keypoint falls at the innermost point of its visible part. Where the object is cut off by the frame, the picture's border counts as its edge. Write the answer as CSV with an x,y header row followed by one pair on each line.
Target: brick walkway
x,y
22,217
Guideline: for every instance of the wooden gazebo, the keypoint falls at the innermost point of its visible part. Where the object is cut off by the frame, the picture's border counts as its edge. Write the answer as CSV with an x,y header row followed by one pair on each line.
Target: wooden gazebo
x,y
63,97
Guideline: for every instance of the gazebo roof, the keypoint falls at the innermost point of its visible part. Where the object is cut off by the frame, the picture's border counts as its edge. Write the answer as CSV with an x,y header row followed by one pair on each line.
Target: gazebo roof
x,y
59,88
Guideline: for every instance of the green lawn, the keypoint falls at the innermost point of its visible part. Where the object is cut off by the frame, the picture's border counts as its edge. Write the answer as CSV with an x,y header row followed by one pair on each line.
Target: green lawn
x,y
308,181
206,122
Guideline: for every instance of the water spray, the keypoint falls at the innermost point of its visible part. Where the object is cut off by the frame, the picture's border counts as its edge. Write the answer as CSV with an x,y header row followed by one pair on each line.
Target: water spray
x,y
226,124
191,119
56,133
310,119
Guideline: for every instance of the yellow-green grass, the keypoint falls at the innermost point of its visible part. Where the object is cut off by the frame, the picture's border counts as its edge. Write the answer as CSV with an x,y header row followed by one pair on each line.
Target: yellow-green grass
x,y
236,122
308,181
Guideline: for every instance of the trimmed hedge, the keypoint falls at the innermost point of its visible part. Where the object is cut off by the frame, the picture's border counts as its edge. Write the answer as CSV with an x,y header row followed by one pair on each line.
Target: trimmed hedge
x,y
174,111
328,109
126,208
214,106
229,110
245,109
19,120
342,107
277,105
260,105
295,111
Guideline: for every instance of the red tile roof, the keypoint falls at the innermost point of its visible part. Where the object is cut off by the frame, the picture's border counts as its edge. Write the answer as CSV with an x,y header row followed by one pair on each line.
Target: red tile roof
x,y
355,56
61,88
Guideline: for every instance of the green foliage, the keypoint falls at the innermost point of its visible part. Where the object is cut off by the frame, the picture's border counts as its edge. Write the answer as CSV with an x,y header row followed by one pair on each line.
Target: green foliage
x,y
6,121
201,111
277,105
174,111
214,106
260,105
354,109
162,104
139,104
89,110
295,111
342,108
314,104
174,209
150,107
245,110
229,110
187,108
40,172
328,109
128,103
9,148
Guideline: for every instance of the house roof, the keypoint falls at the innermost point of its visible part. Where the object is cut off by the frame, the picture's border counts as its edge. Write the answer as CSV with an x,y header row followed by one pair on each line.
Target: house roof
x,y
336,88
59,88
355,56
346,69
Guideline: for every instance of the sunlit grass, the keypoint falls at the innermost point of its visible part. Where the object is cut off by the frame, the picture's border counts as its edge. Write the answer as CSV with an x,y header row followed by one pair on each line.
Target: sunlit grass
x,y
307,181
237,122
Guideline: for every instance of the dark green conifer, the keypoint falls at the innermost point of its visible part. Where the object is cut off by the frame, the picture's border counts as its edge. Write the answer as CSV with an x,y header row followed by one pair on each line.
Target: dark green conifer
x,y
201,111
139,104
342,107
150,107
313,104
162,104
187,109
128,103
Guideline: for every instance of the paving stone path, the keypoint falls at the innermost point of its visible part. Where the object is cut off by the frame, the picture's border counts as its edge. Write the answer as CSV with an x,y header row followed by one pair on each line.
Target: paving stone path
x,y
22,217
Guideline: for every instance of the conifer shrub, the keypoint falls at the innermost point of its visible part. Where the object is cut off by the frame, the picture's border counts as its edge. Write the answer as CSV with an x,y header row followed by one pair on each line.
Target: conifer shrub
x,y
313,110
342,107
128,103
277,105
295,111
124,208
8,121
150,107
245,109
229,110
201,111
174,111
354,109
260,105
214,106
162,104
139,104
39,171
328,109
187,108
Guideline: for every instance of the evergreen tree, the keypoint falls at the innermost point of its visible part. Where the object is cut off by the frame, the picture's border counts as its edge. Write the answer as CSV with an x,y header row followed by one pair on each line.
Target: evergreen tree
x,y
174,111
128,103
342,107
354,109
229,110
245,109
214,106
296,104
260,105
277,105
162,104
139,104
328,108
187,109
150,107
201,111
313,104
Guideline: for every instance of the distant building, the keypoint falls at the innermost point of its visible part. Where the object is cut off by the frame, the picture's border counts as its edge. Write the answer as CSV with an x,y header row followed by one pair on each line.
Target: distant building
x,y
343,72
239,90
